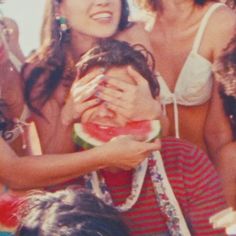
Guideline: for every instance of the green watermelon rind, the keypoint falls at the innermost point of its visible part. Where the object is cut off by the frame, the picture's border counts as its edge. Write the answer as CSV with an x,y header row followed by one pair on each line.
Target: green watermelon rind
x,y
85,141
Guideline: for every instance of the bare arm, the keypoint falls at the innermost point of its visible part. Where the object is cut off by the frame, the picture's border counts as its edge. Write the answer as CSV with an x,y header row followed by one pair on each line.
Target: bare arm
x,y
130,108
226,167
217,128
40,171
13,42
35,171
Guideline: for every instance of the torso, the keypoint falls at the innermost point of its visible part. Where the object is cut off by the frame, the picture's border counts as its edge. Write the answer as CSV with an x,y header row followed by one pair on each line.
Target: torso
x,y
174,45
145,217
191,123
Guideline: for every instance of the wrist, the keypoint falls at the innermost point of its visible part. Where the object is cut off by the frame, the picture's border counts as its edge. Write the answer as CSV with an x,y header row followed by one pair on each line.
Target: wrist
x,y
100,156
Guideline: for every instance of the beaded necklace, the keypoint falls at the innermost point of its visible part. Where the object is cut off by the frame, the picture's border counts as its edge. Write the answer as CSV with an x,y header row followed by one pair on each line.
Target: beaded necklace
x,y
163,193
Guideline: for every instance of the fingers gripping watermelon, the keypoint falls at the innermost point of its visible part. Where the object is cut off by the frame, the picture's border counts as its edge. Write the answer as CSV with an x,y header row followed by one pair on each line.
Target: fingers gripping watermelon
x,y
88,135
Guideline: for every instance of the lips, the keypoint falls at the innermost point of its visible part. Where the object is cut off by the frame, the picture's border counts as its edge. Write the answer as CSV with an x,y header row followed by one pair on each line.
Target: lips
x,y
103,15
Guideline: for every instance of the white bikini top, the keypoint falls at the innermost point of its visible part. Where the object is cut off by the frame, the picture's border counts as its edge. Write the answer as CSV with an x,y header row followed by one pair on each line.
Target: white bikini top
x,y
194,83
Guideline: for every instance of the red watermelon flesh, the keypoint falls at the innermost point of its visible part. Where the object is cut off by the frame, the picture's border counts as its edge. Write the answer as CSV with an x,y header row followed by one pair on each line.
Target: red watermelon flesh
x,y
105,133
8,208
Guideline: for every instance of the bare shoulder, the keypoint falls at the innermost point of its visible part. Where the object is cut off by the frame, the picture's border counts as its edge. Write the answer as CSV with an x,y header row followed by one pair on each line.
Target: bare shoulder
x,y
13,39
221,28
224,18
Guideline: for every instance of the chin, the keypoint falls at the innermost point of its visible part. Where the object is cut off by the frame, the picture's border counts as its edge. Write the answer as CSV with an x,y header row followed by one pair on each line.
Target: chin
x,y
104,33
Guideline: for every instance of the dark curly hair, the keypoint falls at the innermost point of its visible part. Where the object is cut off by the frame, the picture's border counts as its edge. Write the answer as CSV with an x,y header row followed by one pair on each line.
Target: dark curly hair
x,y
110,52
226,75
52,60
69,213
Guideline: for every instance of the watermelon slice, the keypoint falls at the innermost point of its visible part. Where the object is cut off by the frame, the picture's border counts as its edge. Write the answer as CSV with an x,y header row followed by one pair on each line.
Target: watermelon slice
x,y
88,135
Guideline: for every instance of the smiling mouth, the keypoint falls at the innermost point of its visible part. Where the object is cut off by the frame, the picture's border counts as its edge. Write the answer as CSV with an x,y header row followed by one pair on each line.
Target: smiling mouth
x,y
102,16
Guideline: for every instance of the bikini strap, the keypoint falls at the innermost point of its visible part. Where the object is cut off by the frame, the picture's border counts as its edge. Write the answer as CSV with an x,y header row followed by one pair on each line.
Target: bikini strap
x,y
203,24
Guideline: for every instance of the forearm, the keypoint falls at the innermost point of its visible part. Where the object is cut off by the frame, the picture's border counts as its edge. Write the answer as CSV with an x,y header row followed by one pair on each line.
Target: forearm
x,y
35,172
226,168
215,140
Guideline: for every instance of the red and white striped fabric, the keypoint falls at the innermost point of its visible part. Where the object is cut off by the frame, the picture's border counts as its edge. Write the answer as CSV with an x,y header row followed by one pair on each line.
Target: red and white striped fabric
x,y
195,184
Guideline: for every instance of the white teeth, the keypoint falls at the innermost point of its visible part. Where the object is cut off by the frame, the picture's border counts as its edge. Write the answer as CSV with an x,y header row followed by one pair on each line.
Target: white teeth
x,y
101,16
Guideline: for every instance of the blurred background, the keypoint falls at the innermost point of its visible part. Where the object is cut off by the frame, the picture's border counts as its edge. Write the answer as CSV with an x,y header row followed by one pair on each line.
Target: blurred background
x,y
28,15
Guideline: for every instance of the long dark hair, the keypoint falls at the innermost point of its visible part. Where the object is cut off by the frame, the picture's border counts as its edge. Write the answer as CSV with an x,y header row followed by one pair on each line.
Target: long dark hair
x,y
110,52
69,213
52,60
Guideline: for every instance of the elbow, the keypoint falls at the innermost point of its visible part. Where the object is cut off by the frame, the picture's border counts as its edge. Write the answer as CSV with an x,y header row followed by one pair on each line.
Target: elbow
x,y
215,139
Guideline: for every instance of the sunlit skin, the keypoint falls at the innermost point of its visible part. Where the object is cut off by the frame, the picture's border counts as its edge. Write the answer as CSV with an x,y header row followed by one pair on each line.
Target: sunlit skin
x,y
37,173
172,39
98,19
89,20
100,114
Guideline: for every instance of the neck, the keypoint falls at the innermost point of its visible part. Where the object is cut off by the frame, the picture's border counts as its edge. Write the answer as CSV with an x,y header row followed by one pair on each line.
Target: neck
x,y
80,44
175,10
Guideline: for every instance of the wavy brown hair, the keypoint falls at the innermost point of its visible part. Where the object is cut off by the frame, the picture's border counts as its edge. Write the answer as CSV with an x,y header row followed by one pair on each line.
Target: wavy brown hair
x,y
226,75
52,59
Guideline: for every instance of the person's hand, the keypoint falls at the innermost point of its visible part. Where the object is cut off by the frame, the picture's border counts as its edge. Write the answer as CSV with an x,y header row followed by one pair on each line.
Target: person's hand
x,y
126,152
134,102
78,102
